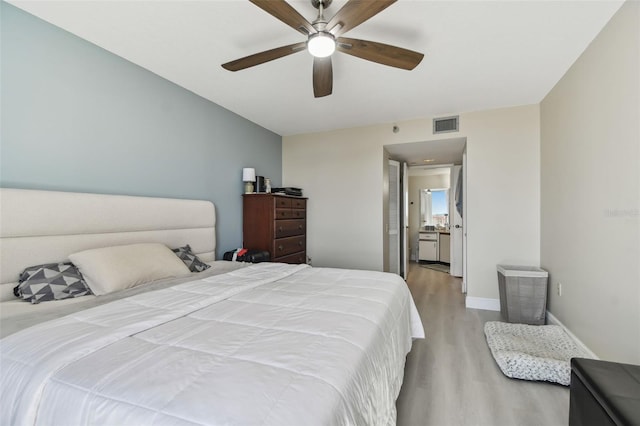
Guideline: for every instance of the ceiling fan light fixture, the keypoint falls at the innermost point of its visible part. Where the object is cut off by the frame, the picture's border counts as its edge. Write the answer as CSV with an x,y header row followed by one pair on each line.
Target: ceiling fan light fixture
x,y
321,44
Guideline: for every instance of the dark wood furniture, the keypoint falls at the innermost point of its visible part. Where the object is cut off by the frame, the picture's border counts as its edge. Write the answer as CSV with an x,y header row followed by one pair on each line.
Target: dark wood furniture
x,y
604,393
277,224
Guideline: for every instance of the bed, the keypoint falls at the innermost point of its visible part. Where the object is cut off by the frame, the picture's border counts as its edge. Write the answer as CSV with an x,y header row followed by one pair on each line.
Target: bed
x,y
235,344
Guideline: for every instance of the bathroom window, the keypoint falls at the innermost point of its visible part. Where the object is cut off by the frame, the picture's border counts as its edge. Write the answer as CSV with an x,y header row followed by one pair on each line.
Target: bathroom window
x,y
434,207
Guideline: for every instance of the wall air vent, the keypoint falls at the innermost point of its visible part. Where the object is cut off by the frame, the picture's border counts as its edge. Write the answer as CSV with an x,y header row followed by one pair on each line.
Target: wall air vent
x,y
445,125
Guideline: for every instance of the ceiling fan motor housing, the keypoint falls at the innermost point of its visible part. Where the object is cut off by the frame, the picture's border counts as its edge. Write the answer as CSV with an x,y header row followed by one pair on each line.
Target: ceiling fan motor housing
x,y
325,3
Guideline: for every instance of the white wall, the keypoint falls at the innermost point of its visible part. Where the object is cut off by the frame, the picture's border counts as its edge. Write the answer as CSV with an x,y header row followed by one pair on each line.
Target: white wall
x,y
342,174
503,196
591,191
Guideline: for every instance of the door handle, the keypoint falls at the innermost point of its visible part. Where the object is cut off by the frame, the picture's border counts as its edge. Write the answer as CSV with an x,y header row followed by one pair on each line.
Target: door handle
x,y
458,226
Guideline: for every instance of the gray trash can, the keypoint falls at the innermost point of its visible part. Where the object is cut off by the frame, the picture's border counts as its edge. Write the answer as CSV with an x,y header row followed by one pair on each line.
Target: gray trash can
x,y
523,294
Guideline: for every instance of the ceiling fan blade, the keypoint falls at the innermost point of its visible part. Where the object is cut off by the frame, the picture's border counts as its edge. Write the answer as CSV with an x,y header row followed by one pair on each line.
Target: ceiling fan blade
x,y
287,14
354,13
262,57
381,53
322,77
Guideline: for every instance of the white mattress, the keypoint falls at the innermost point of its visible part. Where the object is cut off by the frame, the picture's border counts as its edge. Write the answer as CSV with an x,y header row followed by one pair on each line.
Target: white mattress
x,y
17,314
268,344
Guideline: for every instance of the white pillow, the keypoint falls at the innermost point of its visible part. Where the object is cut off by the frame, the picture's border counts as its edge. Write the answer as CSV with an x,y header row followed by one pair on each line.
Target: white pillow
x,y
116,268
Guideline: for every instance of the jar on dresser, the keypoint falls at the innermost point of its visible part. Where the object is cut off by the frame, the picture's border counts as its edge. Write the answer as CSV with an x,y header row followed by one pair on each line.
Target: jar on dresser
x,y
277,224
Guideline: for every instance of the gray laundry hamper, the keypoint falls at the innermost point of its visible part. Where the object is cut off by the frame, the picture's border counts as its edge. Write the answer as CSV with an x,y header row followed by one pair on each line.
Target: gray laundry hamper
x,y
523,294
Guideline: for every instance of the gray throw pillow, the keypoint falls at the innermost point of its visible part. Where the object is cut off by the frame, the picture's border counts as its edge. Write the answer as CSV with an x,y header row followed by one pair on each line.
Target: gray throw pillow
x,y
51,281
191,260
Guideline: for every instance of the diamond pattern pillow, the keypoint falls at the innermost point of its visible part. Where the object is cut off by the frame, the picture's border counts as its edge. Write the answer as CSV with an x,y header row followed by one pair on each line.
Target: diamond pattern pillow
x,y
191,260
51,281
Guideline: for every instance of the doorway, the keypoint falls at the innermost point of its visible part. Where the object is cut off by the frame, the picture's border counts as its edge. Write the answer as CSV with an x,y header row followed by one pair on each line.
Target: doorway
x,y
442,158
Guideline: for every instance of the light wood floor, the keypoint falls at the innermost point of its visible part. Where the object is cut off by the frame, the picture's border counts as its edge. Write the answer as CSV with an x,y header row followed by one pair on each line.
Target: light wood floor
x,y
452,379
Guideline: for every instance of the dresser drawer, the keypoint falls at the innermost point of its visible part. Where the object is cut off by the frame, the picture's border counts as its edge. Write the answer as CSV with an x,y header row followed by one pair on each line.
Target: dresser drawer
x,y
299,203
298,214
283,203
285,246
293,258
289,228
284,214
290,214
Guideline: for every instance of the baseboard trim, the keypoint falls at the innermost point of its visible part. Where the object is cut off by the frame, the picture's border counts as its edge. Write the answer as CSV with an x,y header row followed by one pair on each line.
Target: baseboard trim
x,y
552,320
483,303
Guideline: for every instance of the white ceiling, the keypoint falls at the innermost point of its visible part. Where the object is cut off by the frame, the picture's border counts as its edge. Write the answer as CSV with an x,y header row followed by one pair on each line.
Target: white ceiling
x,y
478,55
429,171
428,153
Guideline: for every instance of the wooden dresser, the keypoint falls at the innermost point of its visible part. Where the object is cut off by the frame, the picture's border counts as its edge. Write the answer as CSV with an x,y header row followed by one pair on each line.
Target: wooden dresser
x,y
277,224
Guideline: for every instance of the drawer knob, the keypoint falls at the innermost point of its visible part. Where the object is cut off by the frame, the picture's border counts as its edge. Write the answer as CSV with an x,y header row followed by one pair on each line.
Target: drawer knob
x,y
280,247
299,226
280,229
300,243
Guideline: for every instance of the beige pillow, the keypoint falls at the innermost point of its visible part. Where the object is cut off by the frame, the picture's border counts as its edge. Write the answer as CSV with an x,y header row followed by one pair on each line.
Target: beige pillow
x,y
116,268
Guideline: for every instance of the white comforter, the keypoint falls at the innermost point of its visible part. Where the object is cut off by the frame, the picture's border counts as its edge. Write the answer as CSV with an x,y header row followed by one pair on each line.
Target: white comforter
x,y
268,344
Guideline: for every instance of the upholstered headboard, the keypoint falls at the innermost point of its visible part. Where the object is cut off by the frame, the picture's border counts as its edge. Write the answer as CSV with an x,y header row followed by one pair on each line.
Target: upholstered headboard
x,y
45,226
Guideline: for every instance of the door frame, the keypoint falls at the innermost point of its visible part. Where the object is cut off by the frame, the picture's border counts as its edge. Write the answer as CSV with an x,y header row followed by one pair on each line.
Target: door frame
x,y
404,225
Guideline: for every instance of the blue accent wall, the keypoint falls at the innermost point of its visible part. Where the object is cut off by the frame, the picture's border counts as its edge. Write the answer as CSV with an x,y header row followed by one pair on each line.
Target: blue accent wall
x,y
77,118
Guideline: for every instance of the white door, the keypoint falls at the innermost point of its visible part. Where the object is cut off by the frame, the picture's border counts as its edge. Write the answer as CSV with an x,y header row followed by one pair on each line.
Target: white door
x,y
394,217
464,220
455,222
404,250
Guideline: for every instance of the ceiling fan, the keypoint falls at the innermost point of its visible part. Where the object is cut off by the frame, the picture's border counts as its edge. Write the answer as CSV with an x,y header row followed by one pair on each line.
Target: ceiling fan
x,y
324,37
